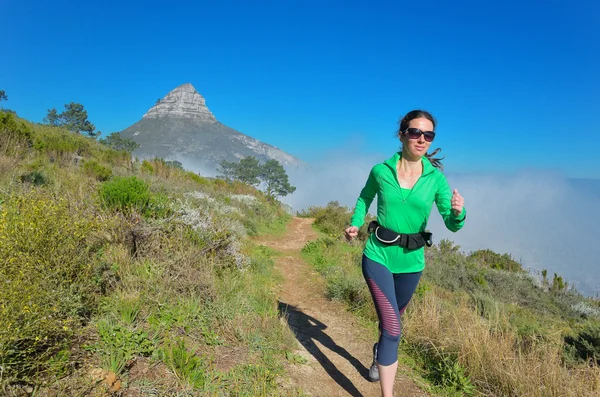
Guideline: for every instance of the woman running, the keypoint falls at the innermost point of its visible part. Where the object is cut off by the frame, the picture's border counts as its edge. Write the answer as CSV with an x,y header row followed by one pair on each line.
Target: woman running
x,y
393,259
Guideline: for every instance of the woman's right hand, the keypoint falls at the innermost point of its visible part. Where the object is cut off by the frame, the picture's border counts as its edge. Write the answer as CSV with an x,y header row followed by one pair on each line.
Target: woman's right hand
x,y
351,232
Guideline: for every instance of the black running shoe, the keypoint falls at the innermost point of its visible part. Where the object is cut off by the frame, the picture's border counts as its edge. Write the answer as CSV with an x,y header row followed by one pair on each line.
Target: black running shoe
x,y
374,371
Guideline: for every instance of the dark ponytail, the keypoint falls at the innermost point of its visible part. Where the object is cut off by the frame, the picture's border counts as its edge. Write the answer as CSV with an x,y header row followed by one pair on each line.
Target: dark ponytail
x,y
417,114
435,161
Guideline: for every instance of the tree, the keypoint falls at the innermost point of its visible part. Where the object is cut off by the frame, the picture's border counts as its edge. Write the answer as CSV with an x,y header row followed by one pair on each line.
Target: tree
x,y
227,170
271,175
74,118
117,142
545,277
52,118
557,283
276,179
3,96
174,164
247,170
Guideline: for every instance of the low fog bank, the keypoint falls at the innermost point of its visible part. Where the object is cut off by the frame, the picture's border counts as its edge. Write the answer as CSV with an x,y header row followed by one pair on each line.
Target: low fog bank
x,y
330,180
541,218
200,167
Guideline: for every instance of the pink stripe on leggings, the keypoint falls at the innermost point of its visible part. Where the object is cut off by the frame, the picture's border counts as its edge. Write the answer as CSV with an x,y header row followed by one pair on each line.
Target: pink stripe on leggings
x,y
389,320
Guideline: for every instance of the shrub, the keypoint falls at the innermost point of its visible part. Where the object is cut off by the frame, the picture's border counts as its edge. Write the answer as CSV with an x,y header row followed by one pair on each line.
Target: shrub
x,y
495,260
444,370
190,367
585,344
113,157
35,178
59,143
125,194
95,170
159,206
147,167
15,135
119,344
334,218
46,278
331,219
197,178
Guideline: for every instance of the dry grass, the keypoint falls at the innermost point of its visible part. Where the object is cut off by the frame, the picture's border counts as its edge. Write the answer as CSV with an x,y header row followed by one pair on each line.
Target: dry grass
x,y
488,351
471,329
7,163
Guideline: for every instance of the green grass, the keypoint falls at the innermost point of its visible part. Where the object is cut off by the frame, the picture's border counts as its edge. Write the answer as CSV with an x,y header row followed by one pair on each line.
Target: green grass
x,y
107,261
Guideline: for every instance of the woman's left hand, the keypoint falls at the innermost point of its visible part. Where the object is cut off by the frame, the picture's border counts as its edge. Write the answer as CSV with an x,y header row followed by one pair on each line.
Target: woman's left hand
x,y
457,202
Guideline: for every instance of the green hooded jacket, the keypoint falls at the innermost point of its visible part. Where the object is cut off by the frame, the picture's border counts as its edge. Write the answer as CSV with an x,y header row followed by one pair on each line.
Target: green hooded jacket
x,y
404,211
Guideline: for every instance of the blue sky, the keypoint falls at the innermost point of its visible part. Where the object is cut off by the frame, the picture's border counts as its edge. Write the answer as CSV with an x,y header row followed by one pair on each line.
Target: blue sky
x,y
514,85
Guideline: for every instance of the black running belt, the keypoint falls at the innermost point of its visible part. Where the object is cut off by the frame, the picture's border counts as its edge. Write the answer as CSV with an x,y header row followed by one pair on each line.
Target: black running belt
x,y
410,241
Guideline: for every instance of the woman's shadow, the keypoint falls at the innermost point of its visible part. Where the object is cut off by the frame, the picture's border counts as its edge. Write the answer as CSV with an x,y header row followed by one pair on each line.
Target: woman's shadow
x,y
307,330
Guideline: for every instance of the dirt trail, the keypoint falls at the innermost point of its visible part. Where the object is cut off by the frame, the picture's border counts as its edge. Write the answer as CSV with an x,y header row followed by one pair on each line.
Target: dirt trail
x,y
337,347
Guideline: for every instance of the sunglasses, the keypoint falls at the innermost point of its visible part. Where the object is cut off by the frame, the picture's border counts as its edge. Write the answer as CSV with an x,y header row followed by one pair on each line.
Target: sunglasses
x,y
415,133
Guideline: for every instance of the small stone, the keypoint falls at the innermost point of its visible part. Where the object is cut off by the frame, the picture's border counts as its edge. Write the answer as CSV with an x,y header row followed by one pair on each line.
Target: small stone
x,y
97,374
111,378
116,386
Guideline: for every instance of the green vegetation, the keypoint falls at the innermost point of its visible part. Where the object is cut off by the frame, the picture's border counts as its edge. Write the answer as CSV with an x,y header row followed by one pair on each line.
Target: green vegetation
x,y
334,218
93,169
111,269
74,118
117,274
478,323
126,194
117,142
271,175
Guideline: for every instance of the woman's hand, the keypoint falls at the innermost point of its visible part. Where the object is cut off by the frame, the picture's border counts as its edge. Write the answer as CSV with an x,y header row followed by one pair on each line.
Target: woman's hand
x,y
351,232
457,202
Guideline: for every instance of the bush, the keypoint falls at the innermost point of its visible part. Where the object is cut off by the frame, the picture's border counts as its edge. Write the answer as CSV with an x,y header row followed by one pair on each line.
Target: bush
x,y
585,344
15,135
331,219
46,278
445,370
494,260
147,167
60,144
95,170
159,206
125,194
197,178
35,178
334,218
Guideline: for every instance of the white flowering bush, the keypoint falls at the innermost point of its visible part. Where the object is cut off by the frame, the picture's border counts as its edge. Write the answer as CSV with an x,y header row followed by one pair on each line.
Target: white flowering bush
x,y
586,309
222,235
244,198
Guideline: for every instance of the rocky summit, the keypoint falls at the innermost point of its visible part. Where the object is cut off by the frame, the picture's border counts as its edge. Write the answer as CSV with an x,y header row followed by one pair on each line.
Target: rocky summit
x,y
184,101
180,127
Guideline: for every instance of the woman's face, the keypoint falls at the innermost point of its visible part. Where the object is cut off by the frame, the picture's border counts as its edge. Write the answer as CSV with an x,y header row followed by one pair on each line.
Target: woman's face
x,y
416,147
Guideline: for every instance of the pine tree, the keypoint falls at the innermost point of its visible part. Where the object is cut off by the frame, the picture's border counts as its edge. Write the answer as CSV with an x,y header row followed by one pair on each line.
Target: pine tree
x,y
276,179
74,118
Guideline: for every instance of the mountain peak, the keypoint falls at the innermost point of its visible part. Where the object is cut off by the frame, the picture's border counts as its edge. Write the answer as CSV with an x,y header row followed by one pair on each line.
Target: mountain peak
x,y
184,102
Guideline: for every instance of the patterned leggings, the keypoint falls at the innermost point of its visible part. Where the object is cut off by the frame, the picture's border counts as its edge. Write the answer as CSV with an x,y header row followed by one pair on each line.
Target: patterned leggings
x,y
391,293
